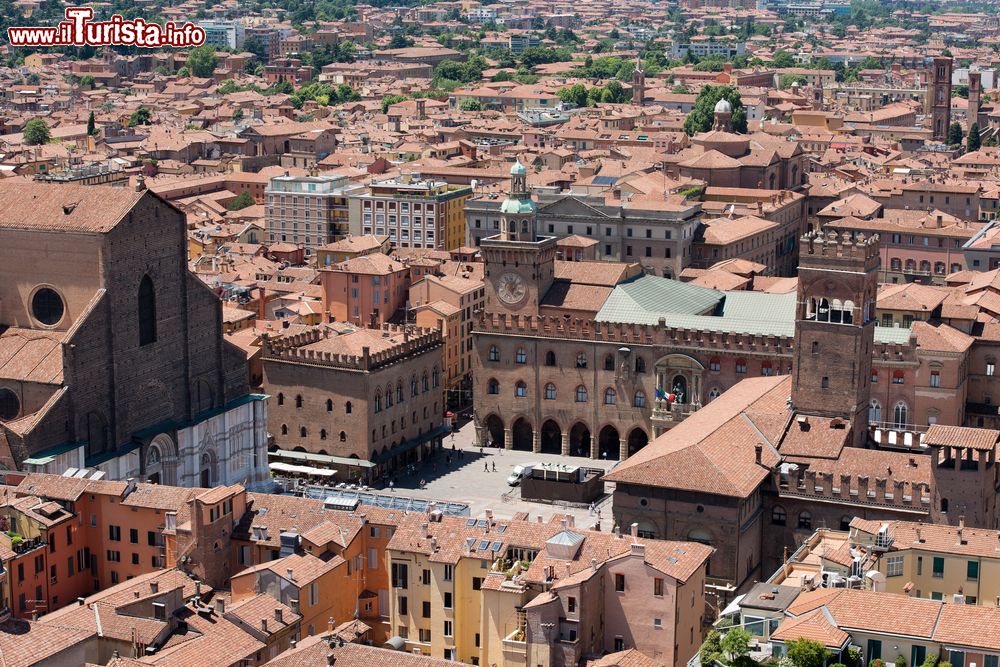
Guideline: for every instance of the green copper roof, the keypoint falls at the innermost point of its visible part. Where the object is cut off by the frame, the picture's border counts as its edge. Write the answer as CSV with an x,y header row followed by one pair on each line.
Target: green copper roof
x,y
518,206
518,169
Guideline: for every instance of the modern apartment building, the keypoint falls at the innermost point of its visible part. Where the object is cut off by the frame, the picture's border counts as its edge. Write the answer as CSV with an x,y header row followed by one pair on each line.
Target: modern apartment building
x,y
414,212
310,211
224,34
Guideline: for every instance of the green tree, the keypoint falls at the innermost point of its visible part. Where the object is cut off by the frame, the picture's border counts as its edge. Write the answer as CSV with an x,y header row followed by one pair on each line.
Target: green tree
x,y
615,93
242,201
807,653
87,81
238,114
202,60
787,80
140,116
184,72
575,94
91,125
256,46
973,142
389,100
782,59
400,41
736,643
470,104
711,648
36,132
281,88
955,134
703,114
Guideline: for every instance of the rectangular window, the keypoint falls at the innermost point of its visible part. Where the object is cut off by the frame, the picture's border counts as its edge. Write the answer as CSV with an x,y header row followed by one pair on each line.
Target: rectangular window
x,y
449,572
115,533
402,605
426,609
894,566
972,570
658,587
938,571
620,583
447,600
571,605
425,577
447,629
133,535
874,650
399,575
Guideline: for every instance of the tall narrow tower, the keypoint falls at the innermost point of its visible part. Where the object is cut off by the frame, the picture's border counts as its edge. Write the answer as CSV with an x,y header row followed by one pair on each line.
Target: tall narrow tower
x,y
519,264
975,91
939,89
638,84
835,328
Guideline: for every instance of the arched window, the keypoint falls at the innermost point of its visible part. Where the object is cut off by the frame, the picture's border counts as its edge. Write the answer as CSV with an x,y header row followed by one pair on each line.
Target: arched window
x,y
581,360
494,353
329,405
895,264
520,389
281,398
925,266
899,415
955,267
378,401
284,429
609,362
413,386
766,368
435,378
343,436
493,387
640,365
302,431
610,396
944,504
298,401
550,392
874,412
581,394
322,434
911,265
399,392
848,316
714,393
939,268
388,396
424,384
550,358
778,516
715,364
823,311
805,520
147,311
836,310
521,357
639,400
347,408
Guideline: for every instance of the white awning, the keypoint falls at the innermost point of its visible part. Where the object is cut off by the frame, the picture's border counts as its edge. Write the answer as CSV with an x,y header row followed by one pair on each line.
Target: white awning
x,y
301,470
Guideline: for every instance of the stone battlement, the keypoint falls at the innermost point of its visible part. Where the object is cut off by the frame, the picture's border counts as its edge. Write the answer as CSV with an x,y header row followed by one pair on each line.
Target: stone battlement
x,y
815,245
889,488
636,334
293,348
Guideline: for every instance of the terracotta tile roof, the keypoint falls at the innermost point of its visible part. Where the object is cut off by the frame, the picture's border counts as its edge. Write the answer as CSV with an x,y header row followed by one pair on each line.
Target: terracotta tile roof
x,y
628,658
816,437
972,626
813,626
960,436
214,641
30,355
261,607
938,538
941,337
64,207
25,644
315,651
712,451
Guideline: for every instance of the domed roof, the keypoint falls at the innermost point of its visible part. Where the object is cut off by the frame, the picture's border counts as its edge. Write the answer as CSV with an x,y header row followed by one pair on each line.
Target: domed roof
x,y
518,169
723,106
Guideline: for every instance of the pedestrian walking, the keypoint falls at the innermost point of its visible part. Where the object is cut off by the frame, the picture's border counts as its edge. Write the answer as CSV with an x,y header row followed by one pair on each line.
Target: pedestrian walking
x,y
486,466
392,487
494,466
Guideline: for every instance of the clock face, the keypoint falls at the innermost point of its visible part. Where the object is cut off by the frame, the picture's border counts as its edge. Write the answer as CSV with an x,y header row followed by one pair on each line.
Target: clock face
x,y
511,288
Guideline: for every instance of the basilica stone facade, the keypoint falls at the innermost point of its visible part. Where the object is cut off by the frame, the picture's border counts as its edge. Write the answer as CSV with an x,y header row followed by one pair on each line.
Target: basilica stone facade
x,y
111,352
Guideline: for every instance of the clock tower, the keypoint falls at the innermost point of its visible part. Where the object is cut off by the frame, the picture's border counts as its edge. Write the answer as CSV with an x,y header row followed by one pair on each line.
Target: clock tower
x,y
519,264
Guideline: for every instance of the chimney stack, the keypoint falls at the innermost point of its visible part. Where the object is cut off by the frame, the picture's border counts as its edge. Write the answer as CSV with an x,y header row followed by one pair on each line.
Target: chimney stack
x,y
634,529
263,625
758,451
220,606
277,614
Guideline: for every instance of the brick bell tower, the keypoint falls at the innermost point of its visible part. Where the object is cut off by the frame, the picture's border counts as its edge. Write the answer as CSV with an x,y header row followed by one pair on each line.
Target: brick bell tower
x,y
519,264
939,89
835,328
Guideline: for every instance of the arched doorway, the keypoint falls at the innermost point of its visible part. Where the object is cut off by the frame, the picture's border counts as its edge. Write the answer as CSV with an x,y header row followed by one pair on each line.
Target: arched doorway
x,y
494,432
551,438
579,440
637,439
679,387
608,445
521,435
208,476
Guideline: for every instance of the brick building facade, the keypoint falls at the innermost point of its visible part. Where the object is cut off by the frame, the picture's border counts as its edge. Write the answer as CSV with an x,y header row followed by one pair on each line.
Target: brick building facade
x,y
113,353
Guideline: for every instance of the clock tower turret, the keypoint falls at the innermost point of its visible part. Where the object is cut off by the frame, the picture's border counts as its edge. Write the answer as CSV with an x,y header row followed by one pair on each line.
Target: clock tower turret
x,y
520,265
